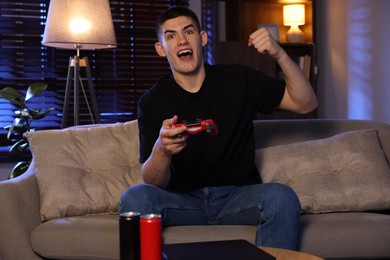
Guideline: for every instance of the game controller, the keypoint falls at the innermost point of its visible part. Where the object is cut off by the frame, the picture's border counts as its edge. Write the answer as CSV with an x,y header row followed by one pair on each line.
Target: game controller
x,y
207,125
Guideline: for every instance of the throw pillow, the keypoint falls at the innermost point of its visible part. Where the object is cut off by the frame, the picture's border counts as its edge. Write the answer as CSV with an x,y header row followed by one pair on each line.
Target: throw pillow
x,y
346,172
85,170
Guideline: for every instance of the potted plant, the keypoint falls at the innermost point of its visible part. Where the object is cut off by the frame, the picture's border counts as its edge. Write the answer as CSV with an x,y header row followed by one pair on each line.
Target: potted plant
x,y
25,115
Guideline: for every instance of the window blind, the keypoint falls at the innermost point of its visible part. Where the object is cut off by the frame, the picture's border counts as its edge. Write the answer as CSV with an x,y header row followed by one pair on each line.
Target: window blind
x,y
120,76
209,24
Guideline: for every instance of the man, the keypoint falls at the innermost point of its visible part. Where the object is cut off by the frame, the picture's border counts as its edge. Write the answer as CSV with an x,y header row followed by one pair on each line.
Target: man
x,y
201,179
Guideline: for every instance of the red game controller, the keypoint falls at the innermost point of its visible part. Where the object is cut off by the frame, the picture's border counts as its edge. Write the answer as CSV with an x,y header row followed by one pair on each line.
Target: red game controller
x,y
207,125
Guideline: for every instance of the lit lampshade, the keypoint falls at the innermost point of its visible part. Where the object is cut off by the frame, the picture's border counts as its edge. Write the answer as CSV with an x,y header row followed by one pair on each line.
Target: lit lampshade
x,y
87,23
294,15
79,25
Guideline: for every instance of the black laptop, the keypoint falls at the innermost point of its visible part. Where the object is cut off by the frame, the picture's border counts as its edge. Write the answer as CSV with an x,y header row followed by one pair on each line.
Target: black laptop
x,y
215,250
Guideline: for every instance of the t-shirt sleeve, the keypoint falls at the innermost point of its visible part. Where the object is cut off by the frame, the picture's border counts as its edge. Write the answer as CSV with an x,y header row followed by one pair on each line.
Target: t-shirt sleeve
x,y
148,133
264,91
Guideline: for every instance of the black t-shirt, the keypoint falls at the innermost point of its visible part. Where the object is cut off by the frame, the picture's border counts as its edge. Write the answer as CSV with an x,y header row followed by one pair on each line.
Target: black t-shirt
x,y
230,95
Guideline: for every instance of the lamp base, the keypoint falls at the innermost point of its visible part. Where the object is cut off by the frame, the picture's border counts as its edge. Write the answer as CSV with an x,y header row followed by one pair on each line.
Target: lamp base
x,y
294,35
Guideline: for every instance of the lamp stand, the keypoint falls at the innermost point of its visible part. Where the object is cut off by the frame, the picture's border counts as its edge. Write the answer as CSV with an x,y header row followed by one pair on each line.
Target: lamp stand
x,y
75,63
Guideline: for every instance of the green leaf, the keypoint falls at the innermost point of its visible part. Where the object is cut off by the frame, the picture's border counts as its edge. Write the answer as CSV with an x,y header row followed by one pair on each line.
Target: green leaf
x,y
31,112
19,169
22,121
19,146
42,114
10,130
12,127
35,90
18,125
9,93
13,96
18,103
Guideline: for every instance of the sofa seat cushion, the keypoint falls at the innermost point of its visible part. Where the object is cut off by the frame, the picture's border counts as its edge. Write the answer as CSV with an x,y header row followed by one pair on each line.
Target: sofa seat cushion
x,y
80,237
97,236
360,235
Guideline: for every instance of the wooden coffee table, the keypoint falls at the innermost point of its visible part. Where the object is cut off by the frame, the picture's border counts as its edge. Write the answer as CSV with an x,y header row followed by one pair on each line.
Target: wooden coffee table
x,y
284,254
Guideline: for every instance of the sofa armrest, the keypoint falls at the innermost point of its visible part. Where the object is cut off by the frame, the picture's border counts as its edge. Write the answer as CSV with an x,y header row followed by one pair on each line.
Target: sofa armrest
x,y
19,215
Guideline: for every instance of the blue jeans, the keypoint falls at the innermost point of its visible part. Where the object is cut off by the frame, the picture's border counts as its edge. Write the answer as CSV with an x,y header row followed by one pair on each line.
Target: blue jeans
x,y
274,208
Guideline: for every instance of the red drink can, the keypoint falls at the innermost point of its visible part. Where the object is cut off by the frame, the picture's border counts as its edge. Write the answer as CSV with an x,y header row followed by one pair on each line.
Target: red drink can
x,y
151,237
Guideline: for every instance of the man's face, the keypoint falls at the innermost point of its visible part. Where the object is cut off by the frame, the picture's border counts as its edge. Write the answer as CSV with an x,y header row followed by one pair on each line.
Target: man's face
x,y
182,44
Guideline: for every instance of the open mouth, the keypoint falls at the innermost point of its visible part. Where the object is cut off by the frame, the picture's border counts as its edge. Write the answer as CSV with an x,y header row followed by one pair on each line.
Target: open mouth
x,y
184,53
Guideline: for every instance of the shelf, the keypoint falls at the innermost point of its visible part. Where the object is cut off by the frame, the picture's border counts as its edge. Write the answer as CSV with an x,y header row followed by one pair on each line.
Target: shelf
x,y
244,15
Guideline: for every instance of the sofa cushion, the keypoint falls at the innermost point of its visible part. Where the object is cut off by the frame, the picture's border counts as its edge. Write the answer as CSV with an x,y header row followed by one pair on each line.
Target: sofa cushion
x,y
78,237
345,235
85,170
346,172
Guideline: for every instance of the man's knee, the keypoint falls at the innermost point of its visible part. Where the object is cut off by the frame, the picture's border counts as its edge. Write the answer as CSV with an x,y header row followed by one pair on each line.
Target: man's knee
x,y
284,196
137,197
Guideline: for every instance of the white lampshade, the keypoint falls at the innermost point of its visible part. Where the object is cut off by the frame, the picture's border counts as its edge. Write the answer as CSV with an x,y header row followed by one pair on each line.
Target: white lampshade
x,y
85,23
294,14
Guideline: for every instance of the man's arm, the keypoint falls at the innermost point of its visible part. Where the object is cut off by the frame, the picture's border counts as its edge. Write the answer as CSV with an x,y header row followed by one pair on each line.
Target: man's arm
x,y
156,169
299,96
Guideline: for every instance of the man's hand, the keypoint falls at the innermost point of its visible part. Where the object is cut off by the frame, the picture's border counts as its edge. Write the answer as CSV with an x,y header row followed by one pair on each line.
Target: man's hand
x,y
172,140
299,96
262,40
156,169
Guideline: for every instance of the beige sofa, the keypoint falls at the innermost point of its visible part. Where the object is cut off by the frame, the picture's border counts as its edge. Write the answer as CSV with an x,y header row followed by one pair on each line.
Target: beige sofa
x,y
333,233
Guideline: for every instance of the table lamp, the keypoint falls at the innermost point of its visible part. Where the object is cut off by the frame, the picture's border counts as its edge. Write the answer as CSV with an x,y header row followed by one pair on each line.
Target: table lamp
x,y
79,25
294,15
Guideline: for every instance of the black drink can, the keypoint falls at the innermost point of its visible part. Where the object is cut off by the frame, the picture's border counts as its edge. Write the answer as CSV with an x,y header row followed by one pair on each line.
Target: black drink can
x,y
129,236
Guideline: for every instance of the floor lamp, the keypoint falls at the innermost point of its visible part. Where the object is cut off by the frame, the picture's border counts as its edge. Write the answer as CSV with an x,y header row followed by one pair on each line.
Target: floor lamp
x,y
79,25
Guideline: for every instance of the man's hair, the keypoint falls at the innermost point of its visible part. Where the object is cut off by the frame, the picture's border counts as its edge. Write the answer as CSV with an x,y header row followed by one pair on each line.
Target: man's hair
x,y
174,12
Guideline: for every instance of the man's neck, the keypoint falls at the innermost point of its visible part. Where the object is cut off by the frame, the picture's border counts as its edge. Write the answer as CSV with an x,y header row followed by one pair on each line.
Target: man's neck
x,y
191,82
